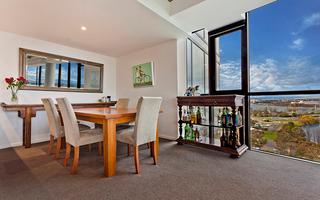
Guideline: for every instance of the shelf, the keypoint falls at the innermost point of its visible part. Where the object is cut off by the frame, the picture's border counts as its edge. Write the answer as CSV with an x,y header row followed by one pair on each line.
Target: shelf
x,y
211,125
235,153
237,133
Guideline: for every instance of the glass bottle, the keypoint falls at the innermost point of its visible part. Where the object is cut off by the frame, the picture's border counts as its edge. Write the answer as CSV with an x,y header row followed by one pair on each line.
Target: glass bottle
x,y
226,114
196,135
239,118
187,132
219,116
193,117
185,116
230,120
223,117
222,139
199,118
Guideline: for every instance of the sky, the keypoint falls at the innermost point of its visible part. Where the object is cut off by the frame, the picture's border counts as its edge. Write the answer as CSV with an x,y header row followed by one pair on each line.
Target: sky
x,y
284,48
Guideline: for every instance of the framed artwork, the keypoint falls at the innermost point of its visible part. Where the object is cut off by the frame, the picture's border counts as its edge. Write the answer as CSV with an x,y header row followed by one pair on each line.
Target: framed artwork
x,y
143,75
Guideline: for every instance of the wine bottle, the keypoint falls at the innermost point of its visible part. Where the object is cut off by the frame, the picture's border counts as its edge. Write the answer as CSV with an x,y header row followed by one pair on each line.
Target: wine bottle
x,y
196,135
230,120
223,117
185,115
222,139
187,132
199,118
239,118
226,116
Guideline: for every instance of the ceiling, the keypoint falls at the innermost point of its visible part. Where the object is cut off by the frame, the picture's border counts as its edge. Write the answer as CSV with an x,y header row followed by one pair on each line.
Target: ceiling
x,y
117,27
191,15
114,27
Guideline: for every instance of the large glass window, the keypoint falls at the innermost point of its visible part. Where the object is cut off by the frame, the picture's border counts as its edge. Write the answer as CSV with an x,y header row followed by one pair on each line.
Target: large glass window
x,y
285,46
197,63
287,125
228,61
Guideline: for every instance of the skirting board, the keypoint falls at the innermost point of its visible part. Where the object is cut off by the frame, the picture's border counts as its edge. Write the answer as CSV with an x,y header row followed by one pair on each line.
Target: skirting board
x,y
16,144
168,137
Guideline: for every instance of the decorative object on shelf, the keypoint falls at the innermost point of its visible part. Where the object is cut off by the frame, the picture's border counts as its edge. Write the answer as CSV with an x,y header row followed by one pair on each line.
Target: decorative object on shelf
x,y
15,85
192,91
142,75
105,99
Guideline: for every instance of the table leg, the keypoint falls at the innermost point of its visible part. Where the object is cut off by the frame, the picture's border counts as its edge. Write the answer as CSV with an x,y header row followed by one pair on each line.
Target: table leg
x,y
26,115
109,147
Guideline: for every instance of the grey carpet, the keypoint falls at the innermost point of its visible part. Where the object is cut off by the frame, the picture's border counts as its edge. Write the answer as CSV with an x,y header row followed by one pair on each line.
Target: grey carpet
x,y
183,172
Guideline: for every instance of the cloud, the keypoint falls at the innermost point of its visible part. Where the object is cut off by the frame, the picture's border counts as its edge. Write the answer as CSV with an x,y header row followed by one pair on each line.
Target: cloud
x,y
312,20
230,78
297,44
292,74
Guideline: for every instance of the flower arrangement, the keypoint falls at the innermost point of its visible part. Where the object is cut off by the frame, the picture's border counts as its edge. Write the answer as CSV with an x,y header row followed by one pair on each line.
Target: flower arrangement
x,y
15,85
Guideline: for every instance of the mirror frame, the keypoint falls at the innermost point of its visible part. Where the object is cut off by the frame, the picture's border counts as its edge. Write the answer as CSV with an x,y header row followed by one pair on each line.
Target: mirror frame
x,y
22,71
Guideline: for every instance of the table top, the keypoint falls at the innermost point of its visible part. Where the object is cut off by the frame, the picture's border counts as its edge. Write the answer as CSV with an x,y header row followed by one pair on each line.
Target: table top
x,y
17,107
105,113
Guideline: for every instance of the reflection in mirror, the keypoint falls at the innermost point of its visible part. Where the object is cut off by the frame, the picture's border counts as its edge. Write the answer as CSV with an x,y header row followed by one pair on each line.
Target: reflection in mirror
x,y
52,72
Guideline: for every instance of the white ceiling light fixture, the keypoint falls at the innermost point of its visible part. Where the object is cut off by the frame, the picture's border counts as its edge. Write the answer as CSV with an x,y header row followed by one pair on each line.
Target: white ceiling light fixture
x,y
83,28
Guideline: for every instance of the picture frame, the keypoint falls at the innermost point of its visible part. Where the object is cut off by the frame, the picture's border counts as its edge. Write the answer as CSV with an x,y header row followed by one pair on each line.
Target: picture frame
x,y
142,75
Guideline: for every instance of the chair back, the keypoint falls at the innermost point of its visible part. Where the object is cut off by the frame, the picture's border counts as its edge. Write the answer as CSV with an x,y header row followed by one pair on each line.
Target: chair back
x,y
122,103
53,117
147,119
70,123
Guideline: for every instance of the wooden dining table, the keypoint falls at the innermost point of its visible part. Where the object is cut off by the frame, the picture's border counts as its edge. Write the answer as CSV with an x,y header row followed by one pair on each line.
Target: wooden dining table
x,y
109,118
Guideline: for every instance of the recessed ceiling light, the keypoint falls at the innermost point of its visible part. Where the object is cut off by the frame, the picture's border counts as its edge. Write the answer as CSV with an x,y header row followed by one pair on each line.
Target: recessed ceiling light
x,y
83,28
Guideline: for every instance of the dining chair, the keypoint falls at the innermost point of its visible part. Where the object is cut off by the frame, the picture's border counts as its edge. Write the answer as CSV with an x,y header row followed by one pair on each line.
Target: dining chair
x,y
55,125
145,128
122,103
75,137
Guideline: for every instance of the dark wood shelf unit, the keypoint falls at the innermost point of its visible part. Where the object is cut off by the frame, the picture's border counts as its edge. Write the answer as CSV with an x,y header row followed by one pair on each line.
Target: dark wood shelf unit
x,y
238,146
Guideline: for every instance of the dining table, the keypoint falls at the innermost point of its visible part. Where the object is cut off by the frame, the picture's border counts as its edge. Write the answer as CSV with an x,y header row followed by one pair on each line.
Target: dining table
x,y
109,118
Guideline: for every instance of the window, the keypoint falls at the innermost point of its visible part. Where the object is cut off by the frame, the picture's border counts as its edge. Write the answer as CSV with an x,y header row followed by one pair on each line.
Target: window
x,y
285,52
284,79
287,125
197,63
228,61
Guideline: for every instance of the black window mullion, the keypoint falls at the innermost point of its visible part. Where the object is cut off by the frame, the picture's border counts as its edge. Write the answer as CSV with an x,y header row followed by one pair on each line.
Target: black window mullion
x,y
39,78
59,75
79,76
69,75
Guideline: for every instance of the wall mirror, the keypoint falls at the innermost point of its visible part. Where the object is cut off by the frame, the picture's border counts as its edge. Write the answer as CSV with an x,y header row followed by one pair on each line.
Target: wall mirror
x,y
51,72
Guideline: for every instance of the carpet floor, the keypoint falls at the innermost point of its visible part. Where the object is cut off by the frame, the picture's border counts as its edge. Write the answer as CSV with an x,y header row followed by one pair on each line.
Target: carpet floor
x,y
184,172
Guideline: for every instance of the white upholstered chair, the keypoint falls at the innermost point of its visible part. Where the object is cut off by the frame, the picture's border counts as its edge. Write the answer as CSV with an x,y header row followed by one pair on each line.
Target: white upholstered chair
x,y
55,125
122,103
145,128
75,137
56,129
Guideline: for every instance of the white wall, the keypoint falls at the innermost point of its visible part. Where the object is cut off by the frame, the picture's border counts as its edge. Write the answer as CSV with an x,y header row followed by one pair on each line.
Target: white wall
x,y
167,60
10,124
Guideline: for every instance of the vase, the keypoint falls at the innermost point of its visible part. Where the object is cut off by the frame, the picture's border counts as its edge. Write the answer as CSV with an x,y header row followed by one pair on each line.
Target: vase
x,y
14,97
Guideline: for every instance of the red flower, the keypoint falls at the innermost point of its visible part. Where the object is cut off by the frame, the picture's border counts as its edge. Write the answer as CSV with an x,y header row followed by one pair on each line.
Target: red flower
x,y
9,80
22,79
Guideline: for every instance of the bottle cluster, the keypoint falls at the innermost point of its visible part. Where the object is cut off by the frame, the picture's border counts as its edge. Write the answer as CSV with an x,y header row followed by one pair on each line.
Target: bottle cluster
x,y
192,115
227,119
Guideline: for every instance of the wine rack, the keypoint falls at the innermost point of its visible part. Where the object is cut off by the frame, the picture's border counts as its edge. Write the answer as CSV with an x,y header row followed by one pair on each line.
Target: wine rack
x,y
226,138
